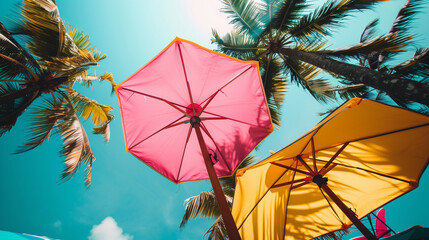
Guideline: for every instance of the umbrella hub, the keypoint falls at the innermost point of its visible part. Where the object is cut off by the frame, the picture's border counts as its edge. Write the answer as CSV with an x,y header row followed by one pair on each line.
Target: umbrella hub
x,y
195,120
190,109
320,180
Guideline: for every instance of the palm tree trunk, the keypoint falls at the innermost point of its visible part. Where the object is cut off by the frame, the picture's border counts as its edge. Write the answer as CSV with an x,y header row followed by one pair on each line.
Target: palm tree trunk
x,y
400,88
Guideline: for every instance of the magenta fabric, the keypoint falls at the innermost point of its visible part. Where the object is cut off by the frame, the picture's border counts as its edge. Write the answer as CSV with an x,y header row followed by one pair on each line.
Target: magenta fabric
x,y
380,226
158,100
381,230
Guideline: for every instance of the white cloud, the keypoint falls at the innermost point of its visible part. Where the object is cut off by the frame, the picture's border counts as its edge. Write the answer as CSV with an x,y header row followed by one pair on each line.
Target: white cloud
x,y
108,229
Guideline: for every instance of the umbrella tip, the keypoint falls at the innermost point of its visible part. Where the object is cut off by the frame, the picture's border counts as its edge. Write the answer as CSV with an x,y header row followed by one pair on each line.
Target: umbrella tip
x,y
345,226
271,152
414,184
354,102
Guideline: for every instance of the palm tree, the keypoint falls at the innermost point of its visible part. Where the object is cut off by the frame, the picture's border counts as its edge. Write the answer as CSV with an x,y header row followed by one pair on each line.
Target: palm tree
x,y
205,205
294,33
416,68
42,74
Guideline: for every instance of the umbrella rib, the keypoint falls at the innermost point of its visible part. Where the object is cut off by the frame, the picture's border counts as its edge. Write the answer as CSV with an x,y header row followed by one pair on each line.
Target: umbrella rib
x,y
313,150
375,215
334,156
289,183
186,79
177,124
358,139
163,128
210,98
377,135
227,118
287,204
290,168
391,132
324,171
300,185
174,105
210,136
332,208
305,164
369,171
263,197
184,150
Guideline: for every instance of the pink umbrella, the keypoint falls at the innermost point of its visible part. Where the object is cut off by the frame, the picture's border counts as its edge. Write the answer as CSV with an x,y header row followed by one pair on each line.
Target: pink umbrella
x,y
193,114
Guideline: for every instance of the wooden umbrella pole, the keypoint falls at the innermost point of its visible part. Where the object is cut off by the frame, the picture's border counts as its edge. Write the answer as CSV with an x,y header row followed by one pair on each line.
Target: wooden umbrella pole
x,y
349,213
231,228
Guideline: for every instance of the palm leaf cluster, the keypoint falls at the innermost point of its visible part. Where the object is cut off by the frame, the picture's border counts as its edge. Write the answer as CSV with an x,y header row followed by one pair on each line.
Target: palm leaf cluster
x,y
294,33
205,204
415,69
41,59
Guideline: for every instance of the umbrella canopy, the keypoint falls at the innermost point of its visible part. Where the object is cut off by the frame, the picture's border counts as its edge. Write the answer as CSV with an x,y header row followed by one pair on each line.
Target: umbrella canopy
x,y
187,80
192,114
362,156
413,233
18,236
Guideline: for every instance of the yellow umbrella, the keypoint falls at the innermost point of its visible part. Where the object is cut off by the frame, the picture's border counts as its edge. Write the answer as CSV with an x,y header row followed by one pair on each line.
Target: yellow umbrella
x,y
360,157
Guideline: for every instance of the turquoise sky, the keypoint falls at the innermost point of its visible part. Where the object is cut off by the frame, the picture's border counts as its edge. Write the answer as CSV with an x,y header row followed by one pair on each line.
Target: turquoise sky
x,y
125,194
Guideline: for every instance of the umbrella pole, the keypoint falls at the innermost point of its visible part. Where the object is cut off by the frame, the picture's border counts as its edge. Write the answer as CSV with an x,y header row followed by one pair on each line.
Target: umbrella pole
x,y
231,228
349,213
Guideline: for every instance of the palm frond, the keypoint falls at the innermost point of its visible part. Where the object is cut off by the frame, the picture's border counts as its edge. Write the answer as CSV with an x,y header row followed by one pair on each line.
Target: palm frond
x,y
349,91
274,86
11,110
14,63
369,31
405,16
386,44
217,230
89,108
80,39
228,183
86,80
327,18
109,77
282,14
28,57
237,45
76,148
82,42
416,68
204,205
41,21
306,76
269,9
103,130
244,15
44,118
315,46
70,65
370,60
402,25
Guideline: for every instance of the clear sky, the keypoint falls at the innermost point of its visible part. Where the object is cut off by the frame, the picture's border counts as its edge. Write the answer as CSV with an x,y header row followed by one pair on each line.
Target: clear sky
x,y
127,199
